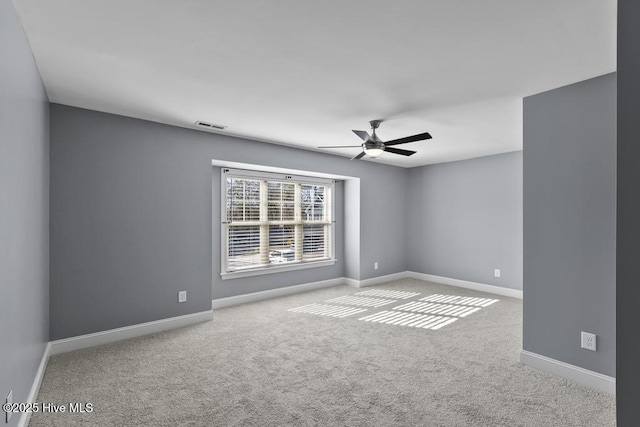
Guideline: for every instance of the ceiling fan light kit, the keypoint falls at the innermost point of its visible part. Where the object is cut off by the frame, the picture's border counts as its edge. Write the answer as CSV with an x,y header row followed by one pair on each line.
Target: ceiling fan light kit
x,y
374,146
373,152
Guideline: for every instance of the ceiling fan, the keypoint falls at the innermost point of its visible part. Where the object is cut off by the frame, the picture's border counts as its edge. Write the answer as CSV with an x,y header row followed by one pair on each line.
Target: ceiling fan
x,y
374,146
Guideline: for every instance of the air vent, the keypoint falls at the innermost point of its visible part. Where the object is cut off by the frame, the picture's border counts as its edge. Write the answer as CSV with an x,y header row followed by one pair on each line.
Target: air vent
x,y
209,125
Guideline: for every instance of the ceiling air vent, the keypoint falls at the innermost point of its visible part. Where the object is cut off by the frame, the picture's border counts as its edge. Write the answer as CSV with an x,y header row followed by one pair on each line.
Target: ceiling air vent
x,y
209,125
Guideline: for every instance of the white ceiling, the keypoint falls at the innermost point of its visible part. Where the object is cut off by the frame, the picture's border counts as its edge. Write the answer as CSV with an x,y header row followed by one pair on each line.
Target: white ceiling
x,y
304,73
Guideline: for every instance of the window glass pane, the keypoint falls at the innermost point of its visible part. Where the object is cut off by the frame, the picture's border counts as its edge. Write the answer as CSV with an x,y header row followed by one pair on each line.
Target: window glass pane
x,y
313,202
275,211
281,236
288,212
306,193
280,198
243,199
228,198
237,188
288,192
313,241
281,243
306,199
244,246
274,191
252,211
252,190
318,211
237,210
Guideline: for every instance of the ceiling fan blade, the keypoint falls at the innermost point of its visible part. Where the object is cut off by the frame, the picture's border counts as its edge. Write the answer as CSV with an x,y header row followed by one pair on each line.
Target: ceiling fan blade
x,y
399,151
339,146
359,156
362,134
413,138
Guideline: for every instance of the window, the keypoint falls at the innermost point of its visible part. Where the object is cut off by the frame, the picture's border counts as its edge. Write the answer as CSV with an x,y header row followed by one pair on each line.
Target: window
x,y
273,222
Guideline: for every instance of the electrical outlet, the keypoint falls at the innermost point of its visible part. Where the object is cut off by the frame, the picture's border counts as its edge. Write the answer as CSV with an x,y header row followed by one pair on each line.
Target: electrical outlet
x,y
9,400
375,265
588,341
182,296
496,272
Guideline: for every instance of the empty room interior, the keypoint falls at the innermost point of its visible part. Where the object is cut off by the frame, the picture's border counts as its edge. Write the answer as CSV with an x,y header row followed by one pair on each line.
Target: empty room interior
x,y
413,213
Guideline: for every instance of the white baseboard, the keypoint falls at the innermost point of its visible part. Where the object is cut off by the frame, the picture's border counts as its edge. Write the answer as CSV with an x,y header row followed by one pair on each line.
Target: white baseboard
x,y
498,290
35,387
112,335
376,280
273,293
354,283
574,373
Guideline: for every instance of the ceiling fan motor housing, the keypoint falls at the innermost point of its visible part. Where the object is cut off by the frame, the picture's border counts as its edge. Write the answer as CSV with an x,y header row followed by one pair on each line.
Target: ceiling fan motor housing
x,y
373,144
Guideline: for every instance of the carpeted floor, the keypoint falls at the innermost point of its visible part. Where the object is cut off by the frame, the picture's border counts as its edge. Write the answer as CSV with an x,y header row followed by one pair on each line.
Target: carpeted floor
x,y
263,364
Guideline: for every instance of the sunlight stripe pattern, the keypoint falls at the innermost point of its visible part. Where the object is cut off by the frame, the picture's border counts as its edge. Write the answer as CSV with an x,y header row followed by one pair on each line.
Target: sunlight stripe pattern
x,y
415,320
328,310
454,299
383,293
431,312
361,301
441,309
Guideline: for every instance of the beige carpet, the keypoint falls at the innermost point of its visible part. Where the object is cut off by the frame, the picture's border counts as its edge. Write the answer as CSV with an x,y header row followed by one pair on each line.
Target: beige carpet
x,y
263,364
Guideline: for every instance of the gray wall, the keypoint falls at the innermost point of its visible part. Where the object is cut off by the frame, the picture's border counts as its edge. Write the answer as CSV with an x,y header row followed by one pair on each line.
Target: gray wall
x,y
628,213
24,212
570,222
131,219
465,219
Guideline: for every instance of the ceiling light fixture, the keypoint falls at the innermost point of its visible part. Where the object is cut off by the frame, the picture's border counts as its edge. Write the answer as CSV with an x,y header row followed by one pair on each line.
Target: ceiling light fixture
x,y
373,151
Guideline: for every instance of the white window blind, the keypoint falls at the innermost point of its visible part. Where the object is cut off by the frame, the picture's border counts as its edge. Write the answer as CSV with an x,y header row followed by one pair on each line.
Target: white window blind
x,y
274,221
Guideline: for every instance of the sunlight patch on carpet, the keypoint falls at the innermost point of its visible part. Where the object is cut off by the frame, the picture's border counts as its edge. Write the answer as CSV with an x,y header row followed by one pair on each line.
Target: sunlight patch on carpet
x,y
388,294
431,312
443,309
361,301
454,299
409,319
328,310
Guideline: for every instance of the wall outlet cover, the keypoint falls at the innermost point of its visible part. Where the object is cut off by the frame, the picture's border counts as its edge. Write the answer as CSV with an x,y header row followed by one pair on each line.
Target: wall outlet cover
x,y
588,341
182,296
496,272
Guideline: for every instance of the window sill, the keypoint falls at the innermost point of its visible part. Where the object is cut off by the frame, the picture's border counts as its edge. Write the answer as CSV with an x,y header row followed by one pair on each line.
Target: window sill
x,y
276,269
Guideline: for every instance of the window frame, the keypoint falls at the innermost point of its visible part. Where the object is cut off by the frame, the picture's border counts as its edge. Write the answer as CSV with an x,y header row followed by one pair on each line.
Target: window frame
x,y
227,172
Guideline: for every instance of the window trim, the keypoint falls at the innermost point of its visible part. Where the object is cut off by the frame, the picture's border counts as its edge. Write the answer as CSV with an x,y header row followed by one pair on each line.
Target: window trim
x,y
275,268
